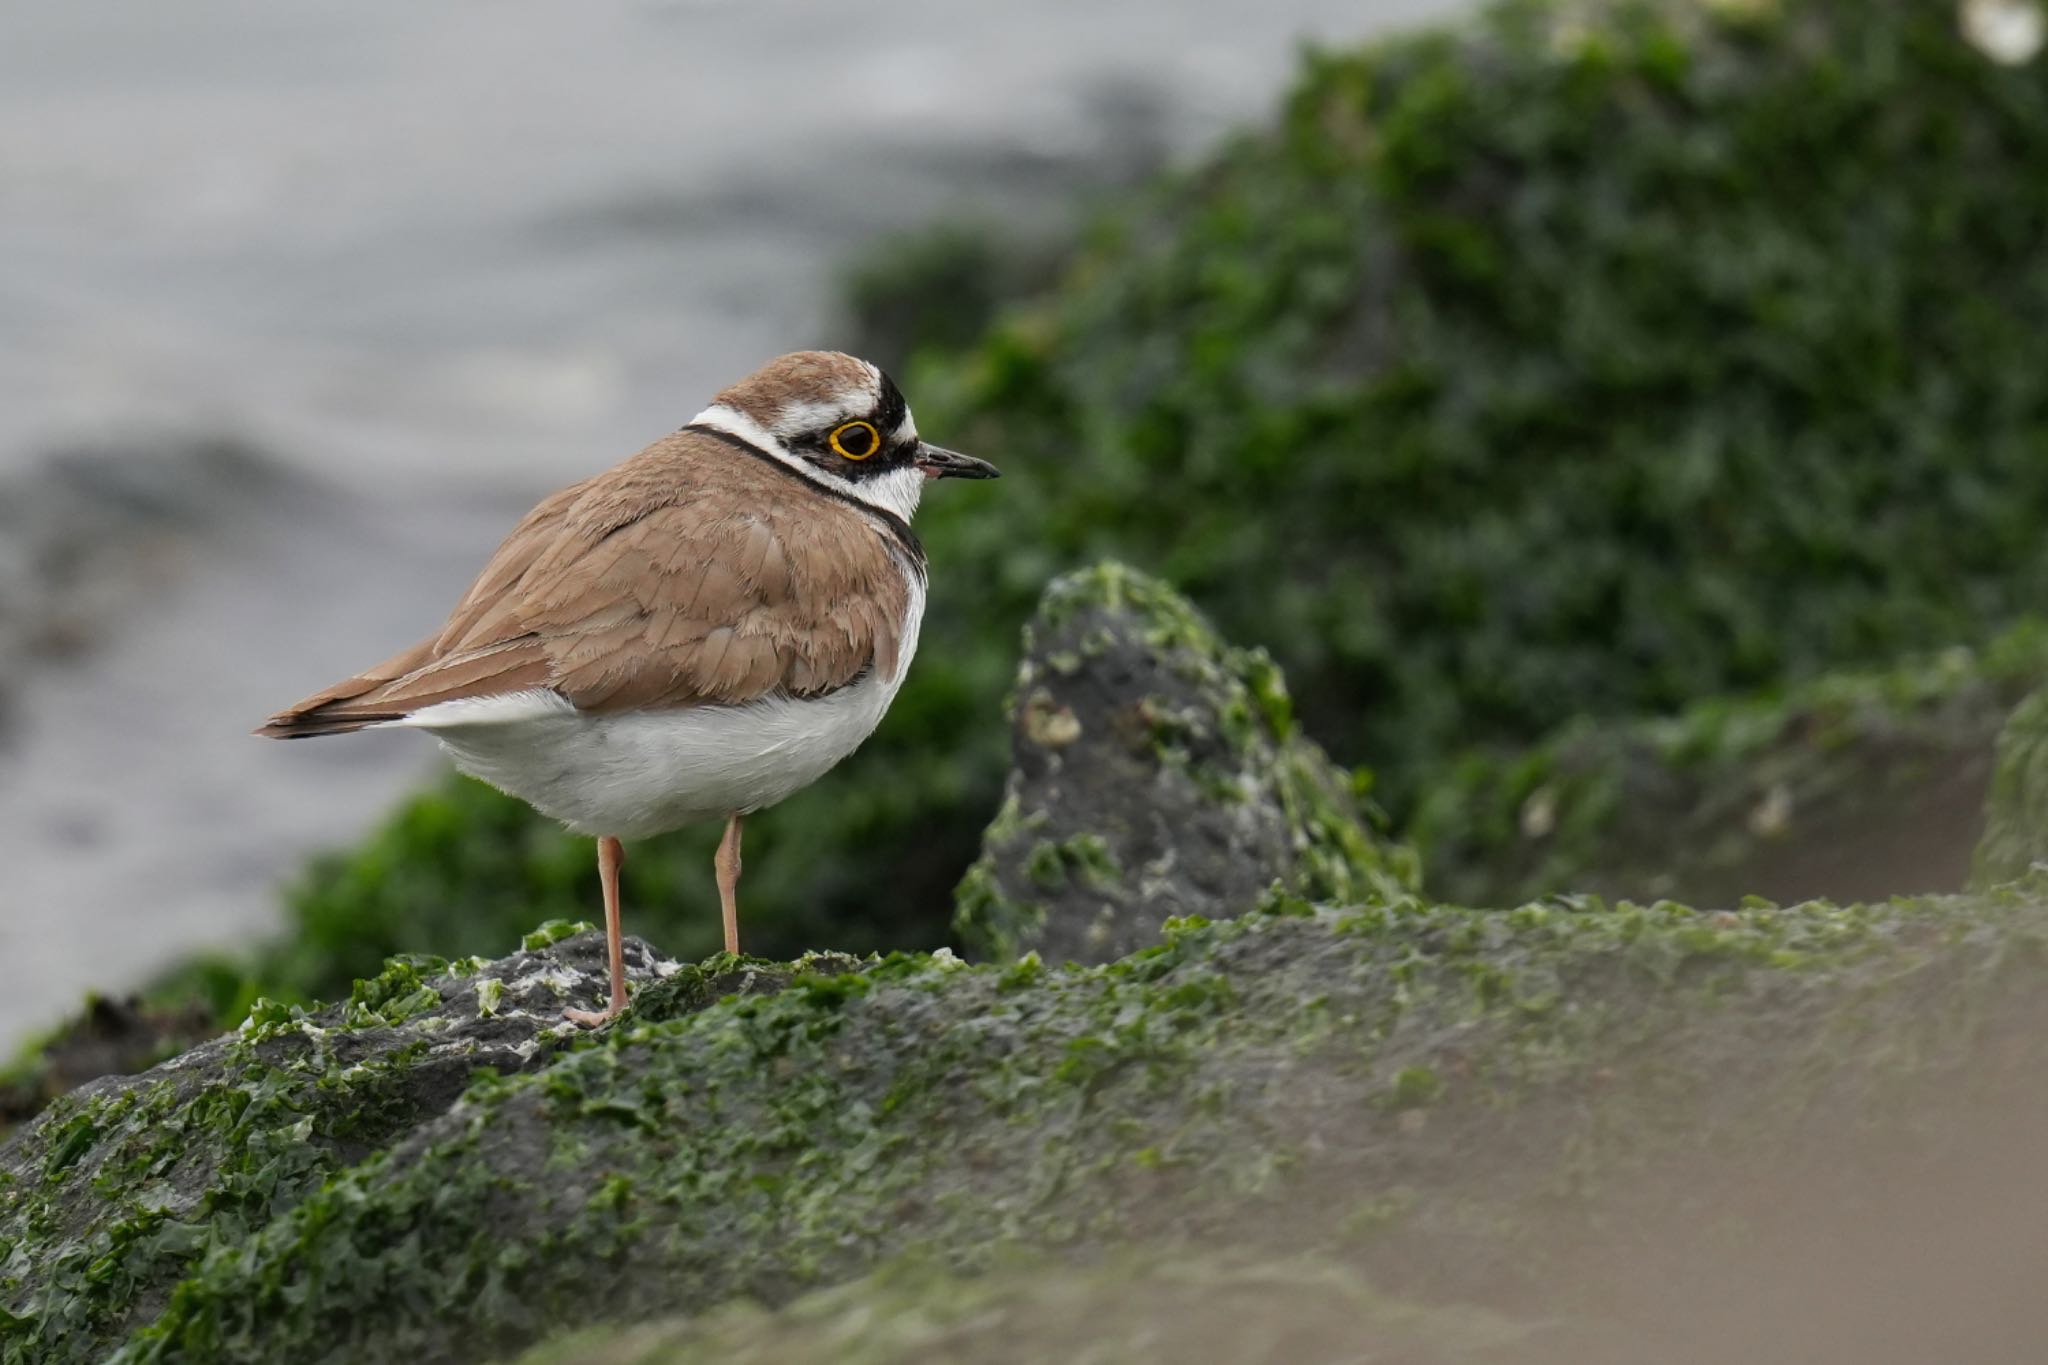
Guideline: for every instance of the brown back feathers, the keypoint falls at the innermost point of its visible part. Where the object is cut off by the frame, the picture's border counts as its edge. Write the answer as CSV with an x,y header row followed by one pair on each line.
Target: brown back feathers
x,y
689,575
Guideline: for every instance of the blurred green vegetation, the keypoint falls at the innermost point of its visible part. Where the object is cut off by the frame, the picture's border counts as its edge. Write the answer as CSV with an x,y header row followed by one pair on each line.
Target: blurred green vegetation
x,y
1577,360
941,287
1859,784
1590,360
2016,824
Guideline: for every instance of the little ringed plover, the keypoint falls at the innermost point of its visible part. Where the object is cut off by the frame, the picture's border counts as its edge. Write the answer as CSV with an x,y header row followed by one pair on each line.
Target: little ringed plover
x,y
694,634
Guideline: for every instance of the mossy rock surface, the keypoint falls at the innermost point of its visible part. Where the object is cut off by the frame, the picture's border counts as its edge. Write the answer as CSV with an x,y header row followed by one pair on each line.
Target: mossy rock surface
x,y
1157,772
1861,784
1566,1108
124,1185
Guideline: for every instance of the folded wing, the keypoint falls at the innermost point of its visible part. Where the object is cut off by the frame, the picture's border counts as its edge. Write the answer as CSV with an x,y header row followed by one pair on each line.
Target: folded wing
x,y
678,579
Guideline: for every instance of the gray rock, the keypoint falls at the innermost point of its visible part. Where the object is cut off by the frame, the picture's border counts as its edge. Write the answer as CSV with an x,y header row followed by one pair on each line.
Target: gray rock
x,y
1157,772
234,1132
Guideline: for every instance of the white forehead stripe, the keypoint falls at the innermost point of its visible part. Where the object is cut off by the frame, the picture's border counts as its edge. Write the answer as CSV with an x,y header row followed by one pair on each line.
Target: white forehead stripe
x,y
856,399
798,418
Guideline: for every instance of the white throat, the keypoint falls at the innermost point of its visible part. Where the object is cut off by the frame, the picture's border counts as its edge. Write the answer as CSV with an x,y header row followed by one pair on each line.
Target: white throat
x,y
896,492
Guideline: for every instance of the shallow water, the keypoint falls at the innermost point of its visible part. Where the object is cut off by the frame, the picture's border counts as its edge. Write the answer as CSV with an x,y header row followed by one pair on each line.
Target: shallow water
x,y
446,257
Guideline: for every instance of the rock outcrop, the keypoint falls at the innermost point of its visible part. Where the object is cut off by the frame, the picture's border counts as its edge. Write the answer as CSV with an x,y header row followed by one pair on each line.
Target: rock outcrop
x,y
1623,1124
128,1182
1156,772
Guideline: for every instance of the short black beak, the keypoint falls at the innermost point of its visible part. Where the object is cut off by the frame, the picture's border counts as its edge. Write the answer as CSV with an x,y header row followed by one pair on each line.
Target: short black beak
x,y
937,462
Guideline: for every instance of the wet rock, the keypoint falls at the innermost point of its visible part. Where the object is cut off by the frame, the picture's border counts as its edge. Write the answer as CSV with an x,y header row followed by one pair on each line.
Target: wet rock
x,y
141,1176
1157,772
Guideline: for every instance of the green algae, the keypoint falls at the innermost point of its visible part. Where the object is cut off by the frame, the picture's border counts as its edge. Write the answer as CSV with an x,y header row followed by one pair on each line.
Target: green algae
x,y
759,1145
120,1188
1051,865
108,1034
398,993
996,923
183,1170
553,932
1526,368
1659,1028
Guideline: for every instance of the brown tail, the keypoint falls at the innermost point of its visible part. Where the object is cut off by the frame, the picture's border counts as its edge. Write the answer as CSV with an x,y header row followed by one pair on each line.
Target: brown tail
x,y
347,706
314,723
411,682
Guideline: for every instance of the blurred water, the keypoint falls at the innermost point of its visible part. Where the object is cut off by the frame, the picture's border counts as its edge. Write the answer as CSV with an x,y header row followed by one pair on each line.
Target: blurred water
x,y
446,257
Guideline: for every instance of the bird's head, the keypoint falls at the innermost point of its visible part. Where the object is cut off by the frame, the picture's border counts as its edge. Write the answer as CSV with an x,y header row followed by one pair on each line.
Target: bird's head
x,y
845,422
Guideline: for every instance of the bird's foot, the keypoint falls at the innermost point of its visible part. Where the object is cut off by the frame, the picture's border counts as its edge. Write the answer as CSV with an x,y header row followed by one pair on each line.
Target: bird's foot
x,y
594,1018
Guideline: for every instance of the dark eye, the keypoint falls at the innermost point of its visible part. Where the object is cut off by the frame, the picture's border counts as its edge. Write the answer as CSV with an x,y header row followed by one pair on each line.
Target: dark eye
x,y
855,440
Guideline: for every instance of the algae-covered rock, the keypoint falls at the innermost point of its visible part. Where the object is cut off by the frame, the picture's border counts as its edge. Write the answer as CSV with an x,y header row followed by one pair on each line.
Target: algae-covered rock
x,y
2016,815
1156,772
1861,784
124,1184
1559,1112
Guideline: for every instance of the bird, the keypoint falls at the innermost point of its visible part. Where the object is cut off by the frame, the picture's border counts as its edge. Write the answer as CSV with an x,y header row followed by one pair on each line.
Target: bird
x,y
693,634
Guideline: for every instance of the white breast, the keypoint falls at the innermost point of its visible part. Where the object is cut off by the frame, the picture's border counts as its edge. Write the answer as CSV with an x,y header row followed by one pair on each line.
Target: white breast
x,y
636,773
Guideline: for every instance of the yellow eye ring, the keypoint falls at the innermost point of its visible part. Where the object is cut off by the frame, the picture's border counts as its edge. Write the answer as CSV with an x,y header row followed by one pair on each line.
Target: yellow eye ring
x,y
866,440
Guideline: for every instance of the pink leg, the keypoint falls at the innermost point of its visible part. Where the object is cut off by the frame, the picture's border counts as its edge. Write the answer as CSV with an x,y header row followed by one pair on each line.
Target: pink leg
x,y
611,856
728,865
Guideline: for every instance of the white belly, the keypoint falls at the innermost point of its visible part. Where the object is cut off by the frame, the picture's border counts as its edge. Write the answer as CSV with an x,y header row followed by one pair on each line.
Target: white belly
x,y
638,773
